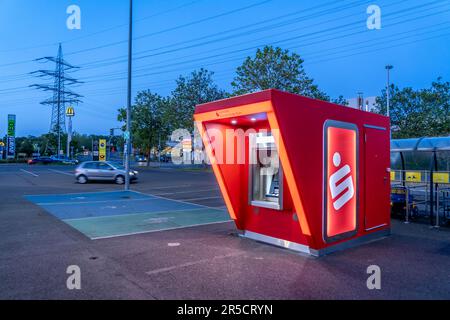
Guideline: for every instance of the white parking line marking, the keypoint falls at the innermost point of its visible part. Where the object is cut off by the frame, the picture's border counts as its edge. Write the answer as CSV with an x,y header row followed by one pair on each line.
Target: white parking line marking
x,y
61,172
174,186
178,186
75,193
174,200
162,230
90,202
193,263
31,173
189,191
204,198
137,214
174,244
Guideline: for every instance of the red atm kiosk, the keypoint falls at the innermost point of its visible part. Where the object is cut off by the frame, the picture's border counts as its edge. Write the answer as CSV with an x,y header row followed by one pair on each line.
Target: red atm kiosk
x,y
299,173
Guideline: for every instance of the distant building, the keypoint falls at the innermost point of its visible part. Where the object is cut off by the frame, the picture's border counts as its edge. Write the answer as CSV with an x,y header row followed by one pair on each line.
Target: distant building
x,y
370,101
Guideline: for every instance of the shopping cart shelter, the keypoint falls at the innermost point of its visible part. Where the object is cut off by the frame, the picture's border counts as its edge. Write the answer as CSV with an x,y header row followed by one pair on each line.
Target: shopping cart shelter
x,y
112,214
420,179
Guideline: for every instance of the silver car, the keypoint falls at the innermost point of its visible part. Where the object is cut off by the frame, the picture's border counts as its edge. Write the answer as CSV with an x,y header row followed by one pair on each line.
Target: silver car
x,y
102,171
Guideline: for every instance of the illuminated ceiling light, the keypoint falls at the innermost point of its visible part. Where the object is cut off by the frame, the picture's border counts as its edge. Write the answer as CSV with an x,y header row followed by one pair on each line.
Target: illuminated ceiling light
x,y
234,122
253,119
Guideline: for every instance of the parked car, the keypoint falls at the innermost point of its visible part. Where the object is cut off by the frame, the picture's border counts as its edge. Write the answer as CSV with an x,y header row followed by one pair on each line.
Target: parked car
x,y
141,159
49,160
167,157
43,160
102,171
65,160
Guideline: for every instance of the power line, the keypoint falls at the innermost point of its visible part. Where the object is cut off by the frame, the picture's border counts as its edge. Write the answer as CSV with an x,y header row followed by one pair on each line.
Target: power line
x,y
173,28
135,21
371,51
380,49
239,50
125,41
345,56
102,63
304,35
303,45
398,36
332,10
315,33
374,44
102,31
408,13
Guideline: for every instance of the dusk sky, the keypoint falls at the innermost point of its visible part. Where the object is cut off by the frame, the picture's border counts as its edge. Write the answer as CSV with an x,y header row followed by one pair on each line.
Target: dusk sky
x,y
176,37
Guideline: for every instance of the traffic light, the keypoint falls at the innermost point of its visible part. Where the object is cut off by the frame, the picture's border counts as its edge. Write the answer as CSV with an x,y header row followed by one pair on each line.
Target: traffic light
x,y
111,132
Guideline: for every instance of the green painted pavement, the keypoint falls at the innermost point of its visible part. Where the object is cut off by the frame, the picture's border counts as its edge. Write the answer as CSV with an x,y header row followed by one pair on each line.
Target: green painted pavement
x,y
113,226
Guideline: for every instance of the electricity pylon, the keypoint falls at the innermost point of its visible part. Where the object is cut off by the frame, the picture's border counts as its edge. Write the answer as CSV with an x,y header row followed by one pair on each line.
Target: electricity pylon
x,y
61,95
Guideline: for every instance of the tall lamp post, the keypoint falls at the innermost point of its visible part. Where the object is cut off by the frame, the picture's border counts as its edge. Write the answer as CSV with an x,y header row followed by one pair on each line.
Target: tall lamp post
x,y
128,132
70,113
388,91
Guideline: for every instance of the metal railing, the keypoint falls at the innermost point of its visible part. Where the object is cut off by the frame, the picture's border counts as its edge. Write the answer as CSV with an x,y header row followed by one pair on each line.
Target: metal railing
x,y
427,193
442,202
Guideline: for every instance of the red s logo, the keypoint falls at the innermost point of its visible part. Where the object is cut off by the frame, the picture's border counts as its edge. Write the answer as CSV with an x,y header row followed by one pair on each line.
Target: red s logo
x,y
341,191
341,184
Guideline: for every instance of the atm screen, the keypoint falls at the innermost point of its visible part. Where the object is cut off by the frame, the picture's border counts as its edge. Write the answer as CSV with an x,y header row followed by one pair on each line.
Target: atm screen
x,y
265,171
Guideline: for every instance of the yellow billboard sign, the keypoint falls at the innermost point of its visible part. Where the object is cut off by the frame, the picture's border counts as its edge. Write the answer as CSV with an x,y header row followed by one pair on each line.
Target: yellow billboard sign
x,y
441,177
102,150
413,176
392,175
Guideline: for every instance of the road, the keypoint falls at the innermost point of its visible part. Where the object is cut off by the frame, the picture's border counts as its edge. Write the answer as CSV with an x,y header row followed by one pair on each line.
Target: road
x,y
203,262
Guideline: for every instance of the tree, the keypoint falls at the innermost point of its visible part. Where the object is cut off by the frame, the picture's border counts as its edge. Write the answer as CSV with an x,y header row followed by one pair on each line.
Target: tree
x,y
147,124
81,142
49,144
274,68
438,97
197,88
340,100
418,113
25,146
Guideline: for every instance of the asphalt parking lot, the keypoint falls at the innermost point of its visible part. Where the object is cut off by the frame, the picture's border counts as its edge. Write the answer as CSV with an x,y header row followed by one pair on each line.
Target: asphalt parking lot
x,y
196,262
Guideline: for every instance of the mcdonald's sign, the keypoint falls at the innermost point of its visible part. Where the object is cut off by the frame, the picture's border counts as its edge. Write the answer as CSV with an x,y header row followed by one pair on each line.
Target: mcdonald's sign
x,y
70,112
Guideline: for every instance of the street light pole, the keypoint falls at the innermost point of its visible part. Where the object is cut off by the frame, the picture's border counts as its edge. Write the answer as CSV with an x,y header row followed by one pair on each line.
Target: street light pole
x,y
70,113
388,91
128,133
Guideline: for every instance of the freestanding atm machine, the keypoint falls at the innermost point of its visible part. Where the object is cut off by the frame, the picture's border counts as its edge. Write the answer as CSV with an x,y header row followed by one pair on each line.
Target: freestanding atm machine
x,y
295,172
